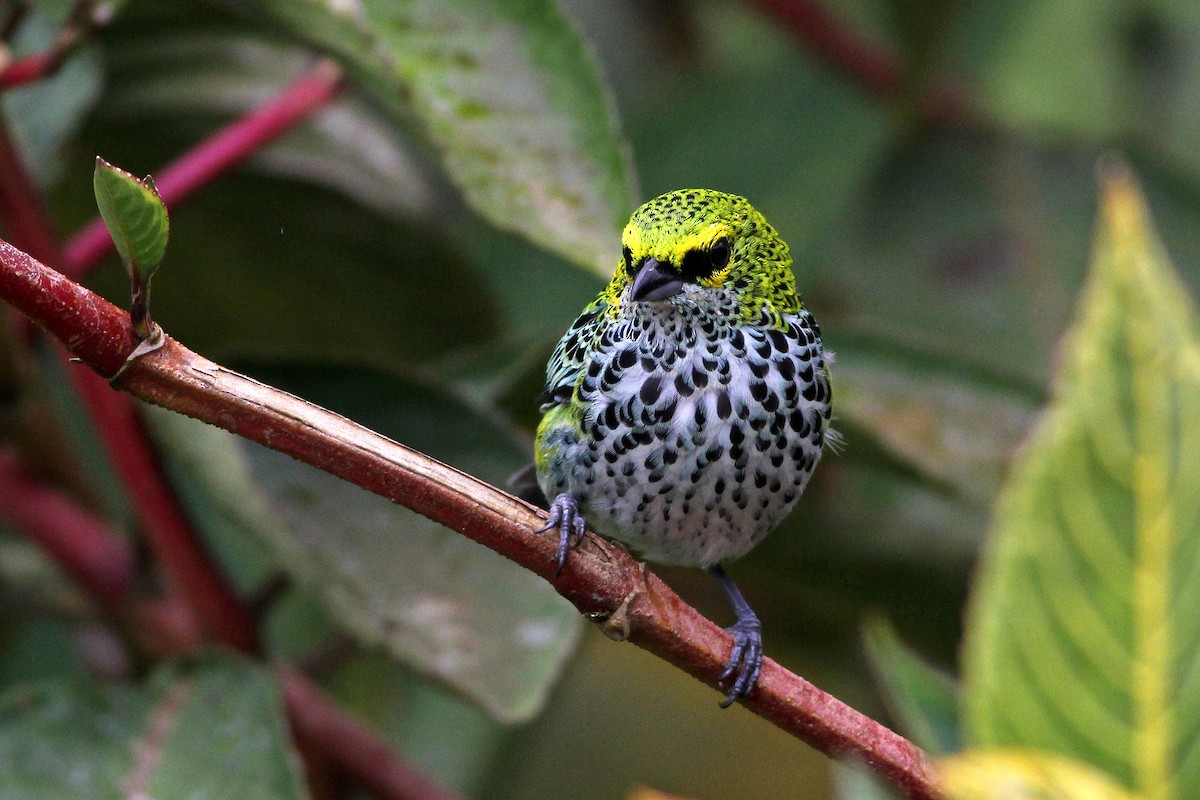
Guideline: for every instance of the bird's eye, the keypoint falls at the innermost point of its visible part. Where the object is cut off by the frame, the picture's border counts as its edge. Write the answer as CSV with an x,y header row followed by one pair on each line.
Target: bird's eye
x,y
628,255
703,263
718,254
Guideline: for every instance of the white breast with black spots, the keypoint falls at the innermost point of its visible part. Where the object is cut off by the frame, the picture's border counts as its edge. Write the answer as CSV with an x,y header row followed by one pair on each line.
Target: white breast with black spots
x,y
693,451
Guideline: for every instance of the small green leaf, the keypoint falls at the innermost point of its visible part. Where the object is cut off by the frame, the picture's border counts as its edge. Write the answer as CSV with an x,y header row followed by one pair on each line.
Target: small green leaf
x,y
216,729
923,700
1024,775
509,97
136,218
1081,637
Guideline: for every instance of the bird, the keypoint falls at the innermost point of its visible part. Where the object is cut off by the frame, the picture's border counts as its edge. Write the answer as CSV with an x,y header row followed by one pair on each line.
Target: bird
x,y
687,406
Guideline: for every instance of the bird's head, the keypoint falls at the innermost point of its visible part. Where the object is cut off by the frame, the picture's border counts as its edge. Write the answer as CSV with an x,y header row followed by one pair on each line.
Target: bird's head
x,y
707,249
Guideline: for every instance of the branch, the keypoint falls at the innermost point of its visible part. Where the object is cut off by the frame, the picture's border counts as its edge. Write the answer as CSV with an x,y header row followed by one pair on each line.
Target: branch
x,y
219,153
601,580
83,19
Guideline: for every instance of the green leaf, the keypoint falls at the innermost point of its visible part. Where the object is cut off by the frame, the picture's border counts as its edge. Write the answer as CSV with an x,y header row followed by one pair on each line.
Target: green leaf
x,y
136,218
1024,775
431,597
507,94
923,700
211,731
1081,634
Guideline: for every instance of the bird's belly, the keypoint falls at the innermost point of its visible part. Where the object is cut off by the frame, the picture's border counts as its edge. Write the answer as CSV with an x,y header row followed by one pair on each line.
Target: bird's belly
x,y
696,475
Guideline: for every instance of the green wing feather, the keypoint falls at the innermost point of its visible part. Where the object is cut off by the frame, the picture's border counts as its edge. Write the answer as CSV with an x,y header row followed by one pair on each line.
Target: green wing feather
x,y
572,354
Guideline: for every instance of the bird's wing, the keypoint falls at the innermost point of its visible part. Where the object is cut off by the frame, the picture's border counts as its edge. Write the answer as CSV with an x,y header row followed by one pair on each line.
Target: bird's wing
x,y
572,355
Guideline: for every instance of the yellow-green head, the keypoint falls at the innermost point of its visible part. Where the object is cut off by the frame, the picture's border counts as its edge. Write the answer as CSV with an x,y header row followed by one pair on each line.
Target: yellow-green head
x,y
705,247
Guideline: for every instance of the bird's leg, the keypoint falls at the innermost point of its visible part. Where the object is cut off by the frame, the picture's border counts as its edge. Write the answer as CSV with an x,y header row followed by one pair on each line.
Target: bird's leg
x,y
564,515
745,660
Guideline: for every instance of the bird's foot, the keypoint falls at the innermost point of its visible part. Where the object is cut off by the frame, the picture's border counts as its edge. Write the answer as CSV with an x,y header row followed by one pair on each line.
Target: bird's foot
x,y
745,660
564,515
746,657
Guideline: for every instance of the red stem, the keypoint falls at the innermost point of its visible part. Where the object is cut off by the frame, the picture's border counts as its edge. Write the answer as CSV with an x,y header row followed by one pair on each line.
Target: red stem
x,y
32,68
93,554
190,569
21,209
331,734
222,151
878,71
102,563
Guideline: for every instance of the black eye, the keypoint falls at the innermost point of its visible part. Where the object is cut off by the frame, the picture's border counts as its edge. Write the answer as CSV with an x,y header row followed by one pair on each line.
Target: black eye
x,y
718,254
703,263
628,255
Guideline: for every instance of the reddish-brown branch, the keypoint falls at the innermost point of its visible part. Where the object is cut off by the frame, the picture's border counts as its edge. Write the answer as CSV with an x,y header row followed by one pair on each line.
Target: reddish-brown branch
x,y
601,580
222,151
82,19
32,68
103,564
326,730
878,71
87,549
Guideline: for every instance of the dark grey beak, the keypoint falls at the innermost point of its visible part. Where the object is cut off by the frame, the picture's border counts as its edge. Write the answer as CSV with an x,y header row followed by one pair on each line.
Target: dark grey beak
x,y
655,281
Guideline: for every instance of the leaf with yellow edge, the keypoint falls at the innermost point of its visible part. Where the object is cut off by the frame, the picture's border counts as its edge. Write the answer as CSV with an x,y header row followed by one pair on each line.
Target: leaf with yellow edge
x,y
1024,775
1082,634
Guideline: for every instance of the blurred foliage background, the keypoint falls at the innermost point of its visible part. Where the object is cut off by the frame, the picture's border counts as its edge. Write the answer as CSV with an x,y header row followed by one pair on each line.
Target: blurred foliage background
x,y
939,227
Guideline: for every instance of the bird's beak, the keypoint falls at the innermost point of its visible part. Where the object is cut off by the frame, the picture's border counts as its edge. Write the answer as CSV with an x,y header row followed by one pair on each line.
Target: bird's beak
x,y
655,281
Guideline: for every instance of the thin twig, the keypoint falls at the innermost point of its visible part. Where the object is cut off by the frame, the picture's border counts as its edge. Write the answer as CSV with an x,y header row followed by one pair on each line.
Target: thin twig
x,y
599,579
325,729
191,570
88,550
83,19
100,562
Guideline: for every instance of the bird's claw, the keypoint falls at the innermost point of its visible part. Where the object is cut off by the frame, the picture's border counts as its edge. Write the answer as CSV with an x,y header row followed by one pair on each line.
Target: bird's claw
x,y
564,515
745,660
